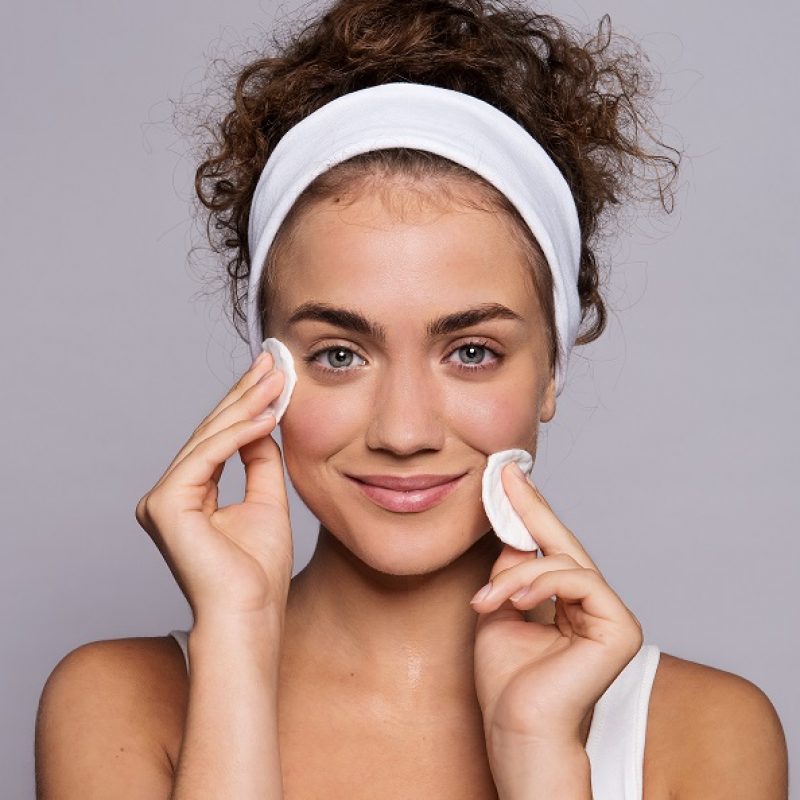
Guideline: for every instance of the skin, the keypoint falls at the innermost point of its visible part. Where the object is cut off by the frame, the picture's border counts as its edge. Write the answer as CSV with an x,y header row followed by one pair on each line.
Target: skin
x,y
389,593
379,624
383,653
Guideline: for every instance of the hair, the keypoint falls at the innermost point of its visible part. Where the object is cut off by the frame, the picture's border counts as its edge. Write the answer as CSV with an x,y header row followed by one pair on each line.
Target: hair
x,y
584,101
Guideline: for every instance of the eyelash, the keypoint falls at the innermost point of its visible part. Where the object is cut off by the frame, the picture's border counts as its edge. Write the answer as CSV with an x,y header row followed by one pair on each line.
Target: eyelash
x,y
310,359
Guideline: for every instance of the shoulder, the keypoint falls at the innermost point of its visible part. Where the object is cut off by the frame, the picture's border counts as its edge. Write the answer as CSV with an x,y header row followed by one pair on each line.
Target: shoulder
x,y
145,669
715,734
122,700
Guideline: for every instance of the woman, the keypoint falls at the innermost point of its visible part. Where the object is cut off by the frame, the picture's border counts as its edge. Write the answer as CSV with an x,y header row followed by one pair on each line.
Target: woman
x,y
426,317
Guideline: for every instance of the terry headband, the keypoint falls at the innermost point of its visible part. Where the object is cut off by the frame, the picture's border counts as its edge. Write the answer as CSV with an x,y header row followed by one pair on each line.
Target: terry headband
x,y
452,124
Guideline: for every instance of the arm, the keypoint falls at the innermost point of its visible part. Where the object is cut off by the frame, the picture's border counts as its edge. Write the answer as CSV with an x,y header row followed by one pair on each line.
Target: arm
x,y
230,746
99,725
543,772
734,746
103,713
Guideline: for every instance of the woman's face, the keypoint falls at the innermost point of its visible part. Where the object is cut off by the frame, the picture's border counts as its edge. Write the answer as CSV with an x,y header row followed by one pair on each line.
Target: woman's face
x,y
382,389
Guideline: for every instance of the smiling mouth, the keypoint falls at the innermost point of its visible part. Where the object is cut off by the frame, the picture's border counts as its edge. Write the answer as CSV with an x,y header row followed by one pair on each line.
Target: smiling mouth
x,y
409,500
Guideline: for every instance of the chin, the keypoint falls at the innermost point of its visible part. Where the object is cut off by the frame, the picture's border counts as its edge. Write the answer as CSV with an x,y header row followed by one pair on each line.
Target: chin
x,y
406,559
405,547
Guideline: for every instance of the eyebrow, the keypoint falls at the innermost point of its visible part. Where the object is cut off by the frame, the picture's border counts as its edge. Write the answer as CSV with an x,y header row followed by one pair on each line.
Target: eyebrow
x,y
352,320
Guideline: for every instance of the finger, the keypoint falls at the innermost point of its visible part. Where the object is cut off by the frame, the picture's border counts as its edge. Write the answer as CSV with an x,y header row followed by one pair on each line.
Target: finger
x,y
260,367
211,497
191,476
509,557
263,467
252,402
545,527
520,576
580,585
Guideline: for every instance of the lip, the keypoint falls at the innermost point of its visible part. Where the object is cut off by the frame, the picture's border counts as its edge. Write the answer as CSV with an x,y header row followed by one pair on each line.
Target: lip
x,y
422,492
406,483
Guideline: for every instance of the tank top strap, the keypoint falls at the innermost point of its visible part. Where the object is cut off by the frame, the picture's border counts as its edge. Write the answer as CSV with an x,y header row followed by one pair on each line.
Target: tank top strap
x,y
615,745
182,638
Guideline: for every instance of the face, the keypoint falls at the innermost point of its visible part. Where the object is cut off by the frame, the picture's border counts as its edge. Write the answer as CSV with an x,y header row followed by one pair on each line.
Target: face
x,y
401,399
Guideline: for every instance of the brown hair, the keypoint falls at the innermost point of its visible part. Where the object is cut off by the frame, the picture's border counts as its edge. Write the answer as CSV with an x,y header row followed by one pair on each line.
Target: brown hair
x,y
585,102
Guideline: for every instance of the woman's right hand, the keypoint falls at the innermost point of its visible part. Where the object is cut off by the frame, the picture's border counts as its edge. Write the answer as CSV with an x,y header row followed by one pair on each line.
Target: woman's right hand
x,y
234,561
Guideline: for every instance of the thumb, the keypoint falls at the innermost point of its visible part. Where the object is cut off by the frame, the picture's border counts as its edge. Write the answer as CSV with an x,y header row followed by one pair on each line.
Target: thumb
x,y
510,557
263,468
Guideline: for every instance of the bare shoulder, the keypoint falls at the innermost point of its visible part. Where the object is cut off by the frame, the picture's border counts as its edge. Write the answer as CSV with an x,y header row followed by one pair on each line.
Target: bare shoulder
x,y
109,711
713,734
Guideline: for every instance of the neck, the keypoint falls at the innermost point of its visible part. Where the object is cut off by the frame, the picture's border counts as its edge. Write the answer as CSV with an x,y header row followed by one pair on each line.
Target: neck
x,y
411,635
403,640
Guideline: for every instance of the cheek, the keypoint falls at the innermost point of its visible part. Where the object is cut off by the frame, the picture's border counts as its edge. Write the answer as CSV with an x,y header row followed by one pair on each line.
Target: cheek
x,y
319,425
495,416
488,417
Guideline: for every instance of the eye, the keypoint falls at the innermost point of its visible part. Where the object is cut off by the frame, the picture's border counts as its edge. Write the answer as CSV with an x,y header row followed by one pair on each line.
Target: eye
x,y
476,350
337,356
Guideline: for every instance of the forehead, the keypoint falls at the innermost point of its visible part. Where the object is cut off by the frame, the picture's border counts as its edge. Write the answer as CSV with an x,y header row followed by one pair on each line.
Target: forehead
x,y
402,245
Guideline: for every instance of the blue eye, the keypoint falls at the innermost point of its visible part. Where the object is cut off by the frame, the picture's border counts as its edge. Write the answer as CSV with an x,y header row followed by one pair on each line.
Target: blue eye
x,y
340,358
477,350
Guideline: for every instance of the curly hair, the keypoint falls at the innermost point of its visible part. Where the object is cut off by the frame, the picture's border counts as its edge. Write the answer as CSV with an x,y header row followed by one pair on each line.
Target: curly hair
x,y
585,102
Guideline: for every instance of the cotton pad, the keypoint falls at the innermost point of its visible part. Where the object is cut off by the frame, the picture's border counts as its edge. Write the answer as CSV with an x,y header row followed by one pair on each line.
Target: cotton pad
x,y
505,521
285,363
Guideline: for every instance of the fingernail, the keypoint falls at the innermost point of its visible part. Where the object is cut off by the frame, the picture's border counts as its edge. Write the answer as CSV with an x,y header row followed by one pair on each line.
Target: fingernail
x,y
482,593
257,360
518,473
520,593
268,412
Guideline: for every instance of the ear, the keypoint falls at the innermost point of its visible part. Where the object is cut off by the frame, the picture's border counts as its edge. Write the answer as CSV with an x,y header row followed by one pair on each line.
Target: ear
x,y
548,408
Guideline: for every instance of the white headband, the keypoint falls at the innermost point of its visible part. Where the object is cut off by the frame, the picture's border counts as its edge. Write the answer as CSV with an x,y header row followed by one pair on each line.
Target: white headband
x,y
452,124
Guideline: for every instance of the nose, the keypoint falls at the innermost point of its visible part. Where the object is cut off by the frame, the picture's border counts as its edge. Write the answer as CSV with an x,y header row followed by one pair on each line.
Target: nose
x,y
407,412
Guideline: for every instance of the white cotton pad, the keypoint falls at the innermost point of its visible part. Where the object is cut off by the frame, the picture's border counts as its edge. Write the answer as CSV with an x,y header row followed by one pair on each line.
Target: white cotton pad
x,y
285,363
505,521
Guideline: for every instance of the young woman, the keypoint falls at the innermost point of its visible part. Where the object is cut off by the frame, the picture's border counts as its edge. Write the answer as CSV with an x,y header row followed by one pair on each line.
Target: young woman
x,y
424,307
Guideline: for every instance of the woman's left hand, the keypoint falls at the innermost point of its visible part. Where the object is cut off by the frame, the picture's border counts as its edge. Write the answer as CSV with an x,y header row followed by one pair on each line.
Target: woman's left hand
x,y
539,682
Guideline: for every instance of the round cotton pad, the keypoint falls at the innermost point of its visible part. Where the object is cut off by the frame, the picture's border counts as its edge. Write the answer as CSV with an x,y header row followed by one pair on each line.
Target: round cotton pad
x,y
505,521
285,363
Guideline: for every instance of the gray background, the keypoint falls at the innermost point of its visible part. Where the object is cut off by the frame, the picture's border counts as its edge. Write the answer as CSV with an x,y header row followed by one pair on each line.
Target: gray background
x,y
673,454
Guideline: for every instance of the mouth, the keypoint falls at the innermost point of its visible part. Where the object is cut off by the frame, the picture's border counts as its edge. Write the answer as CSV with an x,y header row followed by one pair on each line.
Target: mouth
x,y
423,492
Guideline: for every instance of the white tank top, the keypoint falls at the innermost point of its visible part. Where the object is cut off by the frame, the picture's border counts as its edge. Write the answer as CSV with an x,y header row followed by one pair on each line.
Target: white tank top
x,y
616,737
